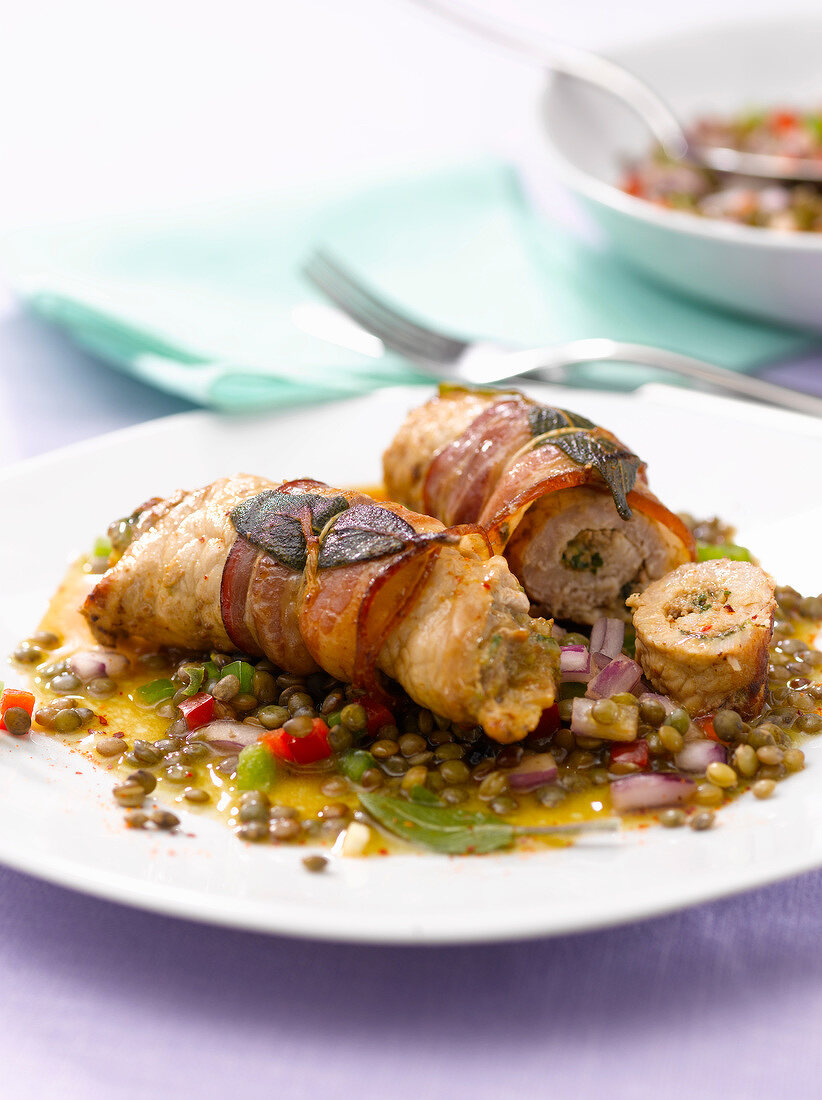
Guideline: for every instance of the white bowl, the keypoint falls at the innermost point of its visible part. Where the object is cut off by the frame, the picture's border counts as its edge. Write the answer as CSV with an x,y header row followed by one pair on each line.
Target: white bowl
x,y
765,272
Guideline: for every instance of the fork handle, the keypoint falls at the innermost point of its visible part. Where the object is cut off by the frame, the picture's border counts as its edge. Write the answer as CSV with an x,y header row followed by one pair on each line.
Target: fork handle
x,y
545,362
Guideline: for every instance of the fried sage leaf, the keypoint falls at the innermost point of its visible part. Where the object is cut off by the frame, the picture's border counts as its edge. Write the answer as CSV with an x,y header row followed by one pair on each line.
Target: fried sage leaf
x,y
440,828
368,532
545,418
272,521
617,466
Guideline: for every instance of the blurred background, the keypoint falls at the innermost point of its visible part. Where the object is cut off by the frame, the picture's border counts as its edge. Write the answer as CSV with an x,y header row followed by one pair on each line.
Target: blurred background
x,y
112,107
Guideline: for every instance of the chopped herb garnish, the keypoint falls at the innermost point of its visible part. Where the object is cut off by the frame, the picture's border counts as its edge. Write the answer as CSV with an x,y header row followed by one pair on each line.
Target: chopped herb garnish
x,y
155,692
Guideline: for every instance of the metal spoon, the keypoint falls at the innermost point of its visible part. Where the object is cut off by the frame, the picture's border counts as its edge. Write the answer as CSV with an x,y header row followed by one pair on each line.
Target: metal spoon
x,y
648,104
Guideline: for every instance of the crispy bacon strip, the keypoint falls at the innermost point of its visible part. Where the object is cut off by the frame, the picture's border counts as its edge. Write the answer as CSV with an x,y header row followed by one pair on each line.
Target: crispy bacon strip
x,y
314,577
483,457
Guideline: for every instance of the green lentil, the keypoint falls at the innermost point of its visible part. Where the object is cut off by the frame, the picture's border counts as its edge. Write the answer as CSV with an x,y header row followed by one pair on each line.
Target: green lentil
x,y
707,794
492,785
129,794
453,751
196,794
652,711
672,818
722,775
384,748
110,746
455,771
273,717
146,780
414,777
794,759
604,711
371,779
770,754
17,720
504,804
411,743
300,726
452,796
746,761
679,719
728,725
164,819
702,819
353,717
315,864
763,788
671,738
285,828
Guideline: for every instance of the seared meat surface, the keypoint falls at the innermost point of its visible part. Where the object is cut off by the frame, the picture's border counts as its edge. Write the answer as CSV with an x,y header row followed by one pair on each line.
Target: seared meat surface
x,y
451,625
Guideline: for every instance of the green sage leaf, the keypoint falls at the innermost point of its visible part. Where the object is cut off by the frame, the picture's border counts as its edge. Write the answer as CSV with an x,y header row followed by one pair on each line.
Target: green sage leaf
x,y
271,521
440,828
368,532
617,466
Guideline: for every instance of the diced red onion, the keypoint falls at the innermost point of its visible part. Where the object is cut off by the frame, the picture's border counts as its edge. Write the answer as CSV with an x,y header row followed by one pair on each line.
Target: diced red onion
x,y
649,791
226,748
239,734
584,724
620,675
695,756
575,664
90,664
533,772
608,636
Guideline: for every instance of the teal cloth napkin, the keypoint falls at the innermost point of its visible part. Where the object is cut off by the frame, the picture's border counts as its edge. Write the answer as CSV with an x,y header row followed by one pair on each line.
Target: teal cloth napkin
x,y
201,302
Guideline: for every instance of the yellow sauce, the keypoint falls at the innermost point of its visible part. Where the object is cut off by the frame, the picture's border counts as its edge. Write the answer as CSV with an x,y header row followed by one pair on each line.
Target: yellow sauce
x,y
121,715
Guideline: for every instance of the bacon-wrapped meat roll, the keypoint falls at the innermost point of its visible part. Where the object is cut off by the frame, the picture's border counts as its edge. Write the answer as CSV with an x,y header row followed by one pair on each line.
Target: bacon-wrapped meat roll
x,y
703,634
310,577
567,502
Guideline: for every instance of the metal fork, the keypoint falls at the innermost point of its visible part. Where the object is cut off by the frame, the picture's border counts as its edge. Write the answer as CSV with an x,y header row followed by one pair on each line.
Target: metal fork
x,y
482,362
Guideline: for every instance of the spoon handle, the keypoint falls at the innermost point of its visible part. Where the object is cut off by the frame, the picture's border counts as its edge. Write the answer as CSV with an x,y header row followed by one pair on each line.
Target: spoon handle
x,y
575,62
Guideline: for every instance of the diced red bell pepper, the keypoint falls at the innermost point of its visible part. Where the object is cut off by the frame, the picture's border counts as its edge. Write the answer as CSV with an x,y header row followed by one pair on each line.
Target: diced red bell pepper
x,y
198,710
632,184
376,713
630,752
780,121
707,727
15,697
299,750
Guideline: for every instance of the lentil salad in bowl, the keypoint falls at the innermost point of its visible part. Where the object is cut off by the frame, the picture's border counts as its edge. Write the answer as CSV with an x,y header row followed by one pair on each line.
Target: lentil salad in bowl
x,y
746,251
445,751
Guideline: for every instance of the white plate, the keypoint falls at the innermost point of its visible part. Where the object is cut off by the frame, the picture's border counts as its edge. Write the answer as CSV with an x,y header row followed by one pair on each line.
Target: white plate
x,y
57,818
717,69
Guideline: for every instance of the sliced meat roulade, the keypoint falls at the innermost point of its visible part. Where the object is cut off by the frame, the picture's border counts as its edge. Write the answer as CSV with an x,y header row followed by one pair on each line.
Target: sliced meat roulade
x,y
567,502
314,577
703,632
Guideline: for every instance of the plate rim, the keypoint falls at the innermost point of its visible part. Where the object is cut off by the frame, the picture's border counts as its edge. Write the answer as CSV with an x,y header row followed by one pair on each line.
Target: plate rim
x,y
265,916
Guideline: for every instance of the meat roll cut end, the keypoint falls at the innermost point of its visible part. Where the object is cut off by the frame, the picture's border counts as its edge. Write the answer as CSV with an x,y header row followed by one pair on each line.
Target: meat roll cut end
x,y
470,649
578,559
703,632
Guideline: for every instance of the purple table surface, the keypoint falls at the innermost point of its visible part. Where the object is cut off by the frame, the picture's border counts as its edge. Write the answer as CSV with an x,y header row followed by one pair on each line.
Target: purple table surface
x,y
723,1000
